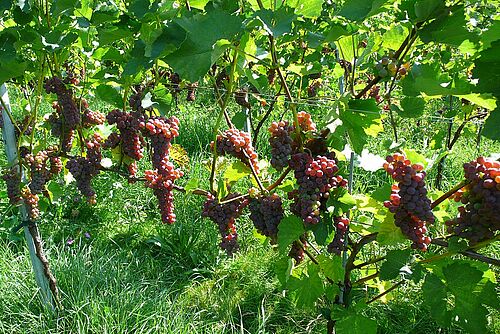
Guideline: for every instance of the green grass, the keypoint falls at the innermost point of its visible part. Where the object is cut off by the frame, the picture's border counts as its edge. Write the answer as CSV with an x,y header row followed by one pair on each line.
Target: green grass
x,y
135,275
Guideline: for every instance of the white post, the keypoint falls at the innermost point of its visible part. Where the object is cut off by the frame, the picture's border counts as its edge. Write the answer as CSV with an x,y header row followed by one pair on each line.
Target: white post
x,y
31,233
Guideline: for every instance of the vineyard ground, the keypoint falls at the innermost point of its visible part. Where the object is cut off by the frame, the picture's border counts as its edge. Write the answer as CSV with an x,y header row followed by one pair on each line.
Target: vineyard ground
x,y
130,274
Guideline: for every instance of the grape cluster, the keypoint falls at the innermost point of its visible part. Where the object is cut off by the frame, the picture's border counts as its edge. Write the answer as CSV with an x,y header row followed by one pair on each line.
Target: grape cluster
x,y
191,92
224,215
266,213
238,144
84,169
337,246
60,130
388,65
90,117
315,178
305,121
375,93
13,182
314,86
297,251
479,216
175,80
129,125
39,170
408,200
69,110
31,202
161,131
281,144
26,126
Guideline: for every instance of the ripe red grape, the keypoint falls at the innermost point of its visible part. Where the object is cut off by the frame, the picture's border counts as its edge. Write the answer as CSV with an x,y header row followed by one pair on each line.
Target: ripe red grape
x,y
238,144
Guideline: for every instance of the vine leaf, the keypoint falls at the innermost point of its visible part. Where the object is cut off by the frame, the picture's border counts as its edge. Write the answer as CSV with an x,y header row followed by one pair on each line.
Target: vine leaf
x,y
276,23
356,324
462,281
236,171
361,119
331,268
289,230
389,234
358,10
308,288
411,107
194,57
450,29
395,260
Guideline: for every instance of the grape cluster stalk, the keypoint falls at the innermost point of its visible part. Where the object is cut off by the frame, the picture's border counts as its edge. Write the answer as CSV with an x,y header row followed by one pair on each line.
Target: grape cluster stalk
x,y
479,216
316,177
266,213
408,199
224,216
237,144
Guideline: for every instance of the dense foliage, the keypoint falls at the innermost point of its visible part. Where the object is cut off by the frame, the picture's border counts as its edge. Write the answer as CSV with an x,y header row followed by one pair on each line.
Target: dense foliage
x,y
376,65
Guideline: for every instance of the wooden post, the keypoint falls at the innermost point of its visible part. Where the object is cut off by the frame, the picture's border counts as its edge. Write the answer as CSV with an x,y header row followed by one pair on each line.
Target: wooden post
x,y
43,277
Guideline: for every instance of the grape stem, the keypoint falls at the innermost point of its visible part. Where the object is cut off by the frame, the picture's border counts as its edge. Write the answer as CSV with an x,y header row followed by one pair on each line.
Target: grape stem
x,y
449,193
372,261
279,180
385,292
266,115
367,278
469,253
219,119
403,46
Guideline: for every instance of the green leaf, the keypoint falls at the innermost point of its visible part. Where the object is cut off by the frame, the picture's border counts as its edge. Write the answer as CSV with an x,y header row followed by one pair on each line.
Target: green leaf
x,y
194,58
139,8
222,190
236,171
308,288
382,194
163,99
11,69
111,34
358,10
434,293
395,260
171,38
307,8
415,157
412,107
487,70
336,31
389,234
356,324
65,7
394,37
450,29
239,120
283,269
192,184
289,230
489,296
455,244
331,267
491,125
492,34
276,23
483,100
361,119
5,4
430,80
110,95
